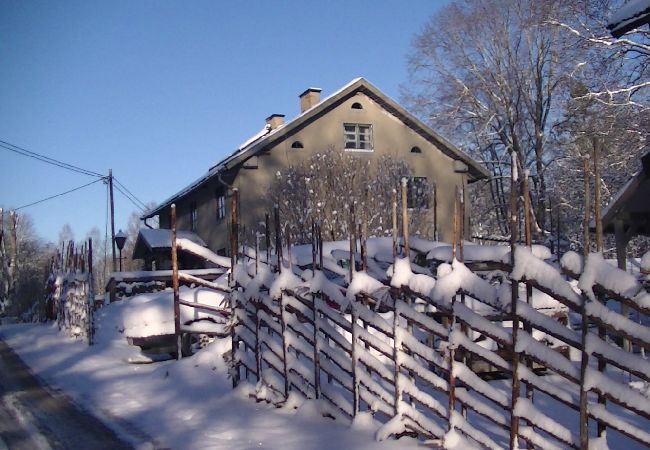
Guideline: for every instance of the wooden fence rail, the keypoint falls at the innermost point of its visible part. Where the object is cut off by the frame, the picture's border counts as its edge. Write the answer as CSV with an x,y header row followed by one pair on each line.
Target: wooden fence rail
x,y
417,371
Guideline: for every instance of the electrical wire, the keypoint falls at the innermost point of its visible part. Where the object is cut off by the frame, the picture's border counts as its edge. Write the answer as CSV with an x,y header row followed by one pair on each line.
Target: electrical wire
x,y
46,159
57,195
119,189
143,205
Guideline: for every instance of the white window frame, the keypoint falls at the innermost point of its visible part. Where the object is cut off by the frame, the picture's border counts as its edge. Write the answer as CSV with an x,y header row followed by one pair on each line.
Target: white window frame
x,y
221,207
357,137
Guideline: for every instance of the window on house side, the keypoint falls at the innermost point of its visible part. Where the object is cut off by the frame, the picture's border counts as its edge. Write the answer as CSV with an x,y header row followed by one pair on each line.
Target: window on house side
x,y
194,216
417,193
416,149
221,207
357,105
297,144
358,136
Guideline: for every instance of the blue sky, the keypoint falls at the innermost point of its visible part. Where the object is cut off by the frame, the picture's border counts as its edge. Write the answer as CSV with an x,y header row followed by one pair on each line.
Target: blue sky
x,y
161,90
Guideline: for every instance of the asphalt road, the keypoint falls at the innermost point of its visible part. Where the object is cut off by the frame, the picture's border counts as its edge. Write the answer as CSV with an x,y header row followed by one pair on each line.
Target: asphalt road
x,y
34,418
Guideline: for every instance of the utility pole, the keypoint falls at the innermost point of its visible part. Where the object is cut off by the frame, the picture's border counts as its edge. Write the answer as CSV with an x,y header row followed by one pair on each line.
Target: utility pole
x,y
110,191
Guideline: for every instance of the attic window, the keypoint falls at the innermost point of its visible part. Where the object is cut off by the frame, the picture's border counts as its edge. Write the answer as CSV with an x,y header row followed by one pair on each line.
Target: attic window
x,y
416,149
297,144
358,137
357,105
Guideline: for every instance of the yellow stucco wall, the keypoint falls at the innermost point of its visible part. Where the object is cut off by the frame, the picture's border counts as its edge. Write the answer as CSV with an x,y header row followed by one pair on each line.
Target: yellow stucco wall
x,y
390,136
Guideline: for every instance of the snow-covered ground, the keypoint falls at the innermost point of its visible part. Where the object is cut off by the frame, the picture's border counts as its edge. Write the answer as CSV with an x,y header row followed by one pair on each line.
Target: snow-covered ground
x,y
188,404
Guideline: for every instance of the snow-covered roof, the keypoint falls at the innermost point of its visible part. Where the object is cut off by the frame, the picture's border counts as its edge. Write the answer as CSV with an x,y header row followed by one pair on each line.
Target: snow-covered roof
x,y
149,240
268,136
634,14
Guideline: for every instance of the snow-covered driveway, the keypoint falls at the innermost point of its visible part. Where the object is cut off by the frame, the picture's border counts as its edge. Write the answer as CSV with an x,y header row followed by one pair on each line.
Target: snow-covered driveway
x,y
181,405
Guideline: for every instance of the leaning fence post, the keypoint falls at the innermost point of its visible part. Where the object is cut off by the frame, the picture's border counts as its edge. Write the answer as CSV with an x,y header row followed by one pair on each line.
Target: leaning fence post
x,y
177,309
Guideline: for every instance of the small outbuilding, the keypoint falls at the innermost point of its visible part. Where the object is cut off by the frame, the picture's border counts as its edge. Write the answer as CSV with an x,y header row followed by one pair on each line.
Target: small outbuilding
x,y
628,214
154,247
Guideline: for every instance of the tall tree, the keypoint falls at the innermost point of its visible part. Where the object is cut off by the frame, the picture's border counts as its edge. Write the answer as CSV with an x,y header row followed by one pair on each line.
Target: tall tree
x,y
325,187
487,72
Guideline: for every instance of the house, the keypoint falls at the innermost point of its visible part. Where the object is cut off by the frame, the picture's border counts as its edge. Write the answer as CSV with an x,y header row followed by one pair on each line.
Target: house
x,y
153,246
628,213
359,119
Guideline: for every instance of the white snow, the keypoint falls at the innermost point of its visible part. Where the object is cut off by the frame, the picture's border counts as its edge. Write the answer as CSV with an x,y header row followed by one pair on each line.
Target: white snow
x,y
153,314
203,252
599,272
573,262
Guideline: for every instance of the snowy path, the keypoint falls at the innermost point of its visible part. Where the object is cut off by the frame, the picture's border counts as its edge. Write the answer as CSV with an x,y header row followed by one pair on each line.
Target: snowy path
x,y
183,405
31,417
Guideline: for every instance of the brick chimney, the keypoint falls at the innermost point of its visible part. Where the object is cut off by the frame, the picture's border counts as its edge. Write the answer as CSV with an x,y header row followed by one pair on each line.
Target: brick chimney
x,y
275,120
309,98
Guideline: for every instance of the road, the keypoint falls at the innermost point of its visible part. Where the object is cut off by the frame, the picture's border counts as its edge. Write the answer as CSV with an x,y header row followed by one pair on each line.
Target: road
x,y
34,418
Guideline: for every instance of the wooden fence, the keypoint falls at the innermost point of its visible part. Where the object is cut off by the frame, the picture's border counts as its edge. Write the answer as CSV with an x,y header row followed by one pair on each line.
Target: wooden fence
x,y
409,354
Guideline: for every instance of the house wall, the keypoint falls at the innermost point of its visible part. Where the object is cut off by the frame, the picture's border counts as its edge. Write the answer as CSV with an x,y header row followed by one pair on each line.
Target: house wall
x,y
390,137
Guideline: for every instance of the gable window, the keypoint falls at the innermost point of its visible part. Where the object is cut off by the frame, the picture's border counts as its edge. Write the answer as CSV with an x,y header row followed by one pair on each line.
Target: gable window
x,y
221,206
417,193
357,105
416,149
297,144
358,136
194,216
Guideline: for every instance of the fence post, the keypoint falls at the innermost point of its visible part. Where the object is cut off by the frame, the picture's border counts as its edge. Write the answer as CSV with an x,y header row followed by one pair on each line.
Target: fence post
x,y
355,383
285,367
278,237
584,363
528,234
435,212
405,219
396,348
315,298
91,295
177,310
514,285
258,345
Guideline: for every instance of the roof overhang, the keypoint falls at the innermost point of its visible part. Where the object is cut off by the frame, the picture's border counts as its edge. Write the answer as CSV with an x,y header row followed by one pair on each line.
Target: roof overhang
x,y
630,208
634,14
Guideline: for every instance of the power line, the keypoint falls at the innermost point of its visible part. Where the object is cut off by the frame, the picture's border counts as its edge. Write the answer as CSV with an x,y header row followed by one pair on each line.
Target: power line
x,y
58,195
46,159
143,205
119,189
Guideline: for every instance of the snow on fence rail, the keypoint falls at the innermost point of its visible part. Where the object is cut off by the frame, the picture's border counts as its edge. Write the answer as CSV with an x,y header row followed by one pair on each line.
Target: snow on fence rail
x,y
421,362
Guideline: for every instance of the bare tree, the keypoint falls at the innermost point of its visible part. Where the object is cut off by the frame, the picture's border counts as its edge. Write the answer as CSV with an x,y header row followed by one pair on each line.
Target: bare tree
x,y
28,264
329,184
488,73
615,72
